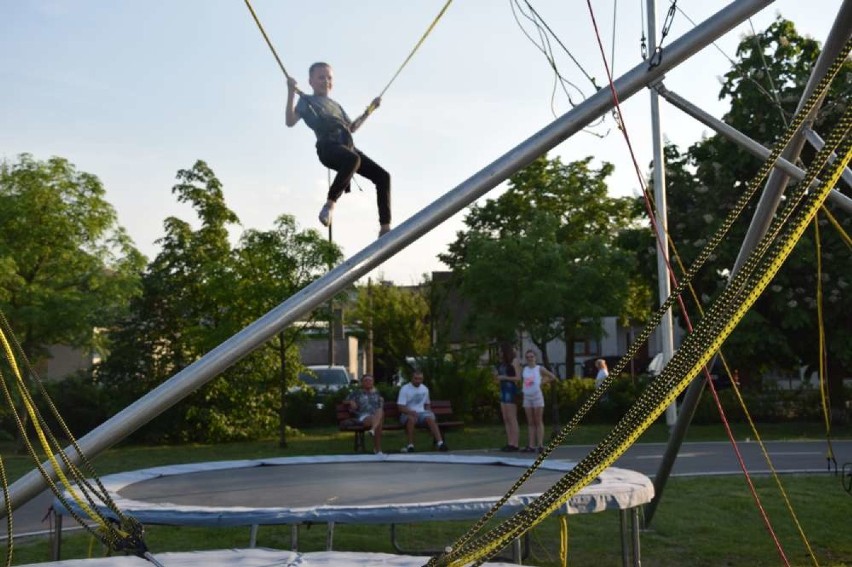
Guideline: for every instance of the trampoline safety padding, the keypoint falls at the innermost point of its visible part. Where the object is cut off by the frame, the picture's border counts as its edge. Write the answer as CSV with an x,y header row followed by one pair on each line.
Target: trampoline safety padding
x,y
358,489
255,558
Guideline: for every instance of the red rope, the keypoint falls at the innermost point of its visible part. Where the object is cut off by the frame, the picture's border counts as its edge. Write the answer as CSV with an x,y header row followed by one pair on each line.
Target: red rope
x,y
673,278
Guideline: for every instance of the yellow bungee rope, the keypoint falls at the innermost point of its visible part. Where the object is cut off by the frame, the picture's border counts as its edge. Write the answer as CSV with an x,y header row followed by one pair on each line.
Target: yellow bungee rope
x,y
696,351
837,226
121,533
372,106
741,401
703,256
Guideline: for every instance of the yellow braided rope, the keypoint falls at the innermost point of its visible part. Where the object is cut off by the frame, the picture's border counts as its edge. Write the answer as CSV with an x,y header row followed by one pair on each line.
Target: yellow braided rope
x,y
49,451
843,234
715,342
822,353
757,437
372,106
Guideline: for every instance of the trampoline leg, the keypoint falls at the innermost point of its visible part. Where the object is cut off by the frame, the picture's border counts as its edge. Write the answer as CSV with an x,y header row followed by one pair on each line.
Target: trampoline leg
x,y
294,537
625,542
516,551
329,536
253,536
634,526
57,536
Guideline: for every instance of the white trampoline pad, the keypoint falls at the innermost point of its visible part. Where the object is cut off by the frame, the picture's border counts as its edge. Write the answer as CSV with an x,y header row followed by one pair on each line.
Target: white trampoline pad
x,y
256,558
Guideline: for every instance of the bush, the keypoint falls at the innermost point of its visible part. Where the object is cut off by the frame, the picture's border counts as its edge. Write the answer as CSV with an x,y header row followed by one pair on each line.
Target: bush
x,y
768,405
82,404
459,377
304,409
573,392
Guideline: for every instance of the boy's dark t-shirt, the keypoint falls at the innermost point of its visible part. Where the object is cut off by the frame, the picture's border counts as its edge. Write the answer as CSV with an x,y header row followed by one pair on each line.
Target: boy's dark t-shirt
x,y
326,118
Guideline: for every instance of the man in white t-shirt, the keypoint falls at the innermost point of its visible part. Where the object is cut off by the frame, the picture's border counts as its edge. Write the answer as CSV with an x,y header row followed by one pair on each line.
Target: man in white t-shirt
x,y
413,402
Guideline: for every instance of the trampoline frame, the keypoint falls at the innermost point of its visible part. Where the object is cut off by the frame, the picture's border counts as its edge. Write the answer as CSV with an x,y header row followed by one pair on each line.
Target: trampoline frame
x,y
619,489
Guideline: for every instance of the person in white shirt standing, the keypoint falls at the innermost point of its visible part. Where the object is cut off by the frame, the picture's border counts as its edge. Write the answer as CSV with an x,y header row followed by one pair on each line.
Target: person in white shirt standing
x,y
533,378
603,371
413,402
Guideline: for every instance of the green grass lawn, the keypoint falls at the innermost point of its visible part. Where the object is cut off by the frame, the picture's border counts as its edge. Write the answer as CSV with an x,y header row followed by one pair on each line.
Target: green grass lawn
x,y
701,521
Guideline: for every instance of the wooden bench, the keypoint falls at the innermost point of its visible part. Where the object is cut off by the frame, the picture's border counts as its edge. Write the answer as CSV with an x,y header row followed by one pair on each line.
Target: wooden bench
x,y
442,409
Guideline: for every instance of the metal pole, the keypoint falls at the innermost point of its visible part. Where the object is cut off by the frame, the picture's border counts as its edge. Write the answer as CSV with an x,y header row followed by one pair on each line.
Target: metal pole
x,y
330,314
634,529
755,148
370,327
257,333
777,182
838,35
625,542
817,142
663,276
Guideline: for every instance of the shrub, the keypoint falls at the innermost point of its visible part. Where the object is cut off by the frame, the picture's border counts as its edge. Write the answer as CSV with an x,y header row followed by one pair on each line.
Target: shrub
x,y
459,377
82,404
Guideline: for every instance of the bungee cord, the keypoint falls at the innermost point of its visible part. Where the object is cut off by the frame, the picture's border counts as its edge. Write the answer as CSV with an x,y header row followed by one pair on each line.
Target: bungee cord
x,y
115,530
622,438
696,351
416,47
268,41
774,98
372,106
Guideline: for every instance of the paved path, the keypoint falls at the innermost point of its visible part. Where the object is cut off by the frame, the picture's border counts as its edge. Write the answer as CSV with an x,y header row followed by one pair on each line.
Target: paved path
x,y
694,459
718,458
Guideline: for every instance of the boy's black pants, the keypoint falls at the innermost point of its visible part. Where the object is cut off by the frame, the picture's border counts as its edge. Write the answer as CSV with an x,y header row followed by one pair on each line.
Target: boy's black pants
x,y
347,161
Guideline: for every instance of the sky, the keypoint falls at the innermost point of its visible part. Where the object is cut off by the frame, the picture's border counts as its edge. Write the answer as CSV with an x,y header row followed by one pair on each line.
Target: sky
x,y
134,91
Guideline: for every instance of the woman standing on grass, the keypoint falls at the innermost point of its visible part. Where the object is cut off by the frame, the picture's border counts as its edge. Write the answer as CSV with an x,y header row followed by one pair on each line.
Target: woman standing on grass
x,y
508,374
534,377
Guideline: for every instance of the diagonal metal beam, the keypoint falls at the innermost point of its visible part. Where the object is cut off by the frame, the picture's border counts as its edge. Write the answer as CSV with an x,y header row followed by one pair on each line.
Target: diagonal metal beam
x,y
839,34
768,203
755,148
257,333
817,142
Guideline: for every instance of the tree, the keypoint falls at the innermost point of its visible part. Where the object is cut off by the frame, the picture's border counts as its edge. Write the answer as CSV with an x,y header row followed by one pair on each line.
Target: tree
x,y
543,257
399,320
273,265
183,311
764,87
199,291
67,267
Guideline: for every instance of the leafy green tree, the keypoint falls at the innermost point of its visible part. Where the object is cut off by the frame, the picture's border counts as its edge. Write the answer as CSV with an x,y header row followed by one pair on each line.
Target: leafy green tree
x,y
513,281
271,266
199,291
543,257
66,266
399,320
764,87
183,311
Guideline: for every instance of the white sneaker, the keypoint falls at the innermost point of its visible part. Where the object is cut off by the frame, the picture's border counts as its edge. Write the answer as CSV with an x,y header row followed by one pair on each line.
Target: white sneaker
x,y
408,449
378,453
325,214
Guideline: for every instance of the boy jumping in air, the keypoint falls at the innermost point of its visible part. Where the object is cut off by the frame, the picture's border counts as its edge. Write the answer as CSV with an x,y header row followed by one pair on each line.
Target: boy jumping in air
x,y
335,147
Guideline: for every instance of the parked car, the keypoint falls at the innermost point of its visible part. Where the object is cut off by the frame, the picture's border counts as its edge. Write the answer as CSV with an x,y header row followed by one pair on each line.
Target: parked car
x,y
324,380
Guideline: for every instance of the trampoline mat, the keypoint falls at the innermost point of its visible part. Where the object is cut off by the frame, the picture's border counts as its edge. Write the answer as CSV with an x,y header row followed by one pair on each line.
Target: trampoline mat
x,y
353,488
337,484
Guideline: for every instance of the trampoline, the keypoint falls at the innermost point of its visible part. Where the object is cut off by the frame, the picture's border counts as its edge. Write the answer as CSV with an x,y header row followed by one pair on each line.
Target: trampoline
x,y
255,558
358,489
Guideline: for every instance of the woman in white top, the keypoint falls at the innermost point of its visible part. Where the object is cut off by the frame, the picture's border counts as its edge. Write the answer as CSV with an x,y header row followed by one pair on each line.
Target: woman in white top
x,y
533,378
